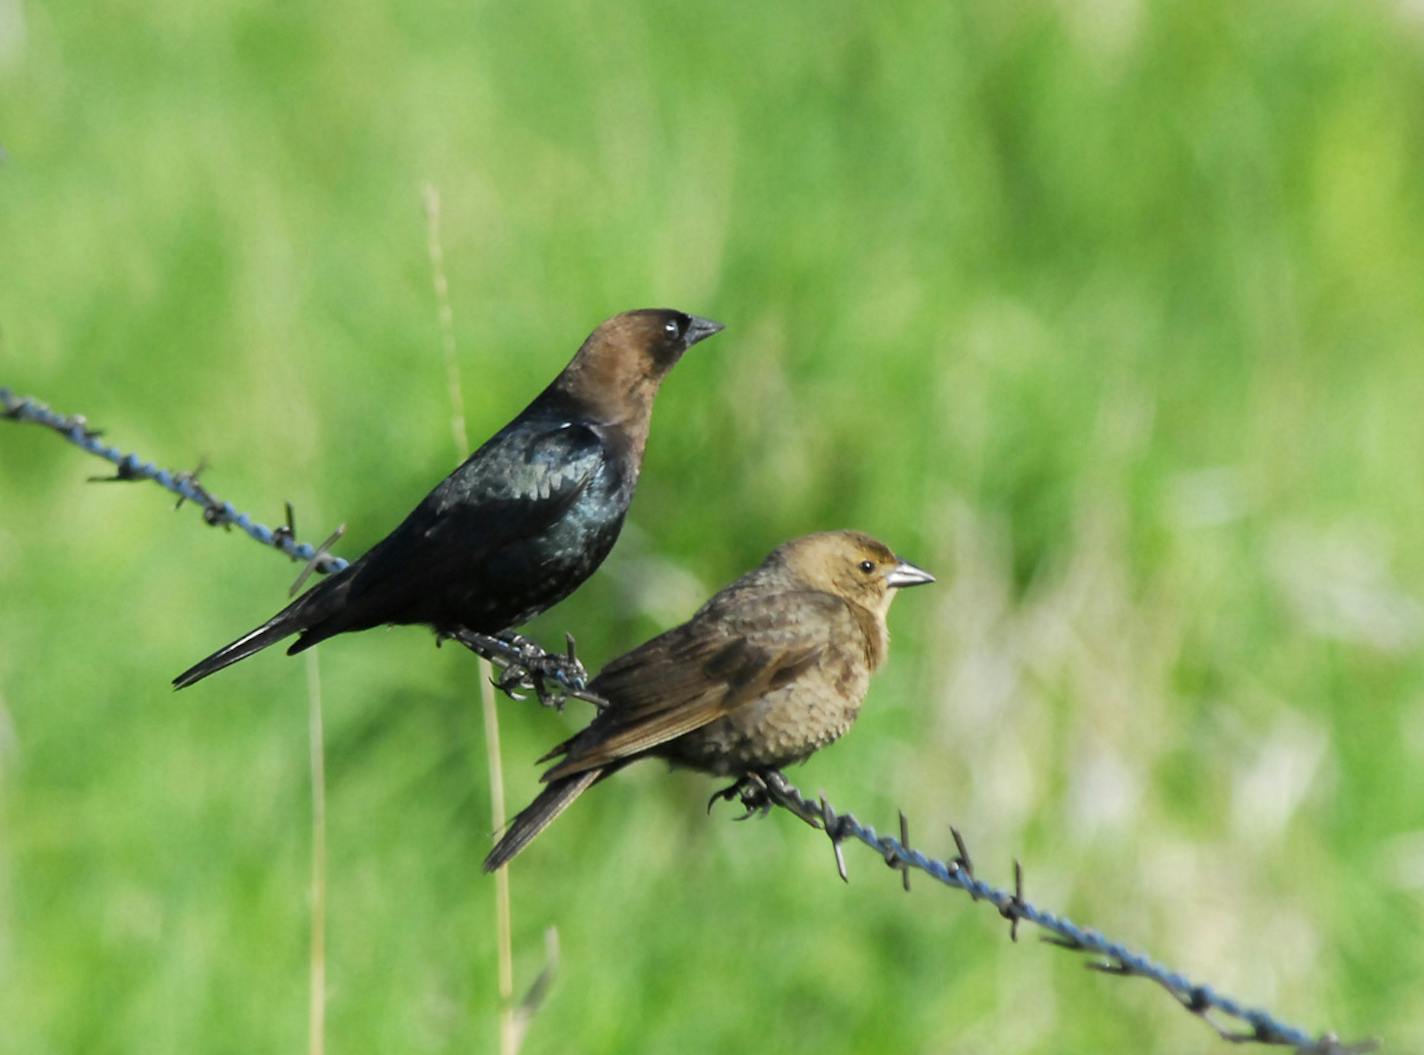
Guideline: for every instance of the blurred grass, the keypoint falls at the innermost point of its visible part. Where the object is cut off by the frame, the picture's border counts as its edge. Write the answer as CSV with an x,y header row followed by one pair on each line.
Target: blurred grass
x,y
1108,313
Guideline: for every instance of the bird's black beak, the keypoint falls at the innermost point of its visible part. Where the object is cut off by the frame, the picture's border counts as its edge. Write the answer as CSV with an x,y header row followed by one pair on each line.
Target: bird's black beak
x,y
699,329
906,574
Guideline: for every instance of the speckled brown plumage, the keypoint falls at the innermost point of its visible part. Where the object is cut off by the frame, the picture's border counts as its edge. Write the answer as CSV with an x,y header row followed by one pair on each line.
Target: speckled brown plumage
x,y
769,670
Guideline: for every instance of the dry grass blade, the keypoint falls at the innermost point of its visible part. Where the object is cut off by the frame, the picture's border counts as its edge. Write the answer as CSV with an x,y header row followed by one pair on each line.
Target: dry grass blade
x,y
316,1017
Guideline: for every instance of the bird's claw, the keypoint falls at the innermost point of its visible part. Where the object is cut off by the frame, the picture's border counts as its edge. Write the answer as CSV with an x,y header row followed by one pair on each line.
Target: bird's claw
x,y
751,791
549,676
510,681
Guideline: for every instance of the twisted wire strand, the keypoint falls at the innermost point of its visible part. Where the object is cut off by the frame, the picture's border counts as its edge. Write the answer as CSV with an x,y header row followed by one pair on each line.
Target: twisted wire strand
x,y
1198,999
130,467
1232,1020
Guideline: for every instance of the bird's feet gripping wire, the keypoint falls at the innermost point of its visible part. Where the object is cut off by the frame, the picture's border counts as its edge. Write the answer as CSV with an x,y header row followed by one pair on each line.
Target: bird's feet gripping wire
x,y
552,677
751,791
524,667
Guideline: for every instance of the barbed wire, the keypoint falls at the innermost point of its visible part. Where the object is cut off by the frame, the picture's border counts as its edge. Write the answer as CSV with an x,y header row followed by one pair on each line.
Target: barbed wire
x,y
130,467
521,671
1255,1025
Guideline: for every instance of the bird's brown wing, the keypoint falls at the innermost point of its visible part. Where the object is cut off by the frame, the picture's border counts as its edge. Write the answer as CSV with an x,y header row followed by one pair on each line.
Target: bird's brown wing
x,y
730,654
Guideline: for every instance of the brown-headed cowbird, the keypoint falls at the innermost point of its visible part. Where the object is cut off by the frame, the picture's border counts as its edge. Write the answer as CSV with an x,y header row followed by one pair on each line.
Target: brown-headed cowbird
x,y
523,521
770,669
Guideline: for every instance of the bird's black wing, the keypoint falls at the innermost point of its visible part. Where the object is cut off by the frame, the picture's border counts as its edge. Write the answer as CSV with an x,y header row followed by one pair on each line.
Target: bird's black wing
x,y
473,529
536,468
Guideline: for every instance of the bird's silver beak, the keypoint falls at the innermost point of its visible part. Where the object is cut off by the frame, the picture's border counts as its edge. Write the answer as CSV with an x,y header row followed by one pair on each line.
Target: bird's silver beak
x,y
699,329
906,574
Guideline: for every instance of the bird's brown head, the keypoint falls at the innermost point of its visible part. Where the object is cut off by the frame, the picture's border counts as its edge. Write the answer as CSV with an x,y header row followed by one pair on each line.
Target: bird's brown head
x,y
617,371
851,565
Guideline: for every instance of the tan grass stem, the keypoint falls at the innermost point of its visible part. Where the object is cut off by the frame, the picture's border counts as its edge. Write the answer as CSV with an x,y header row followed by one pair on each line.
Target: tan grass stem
x,y
509,1034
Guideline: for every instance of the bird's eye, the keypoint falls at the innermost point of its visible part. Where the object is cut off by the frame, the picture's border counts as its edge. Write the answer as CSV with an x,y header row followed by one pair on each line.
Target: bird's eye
x,y
867,566
671,328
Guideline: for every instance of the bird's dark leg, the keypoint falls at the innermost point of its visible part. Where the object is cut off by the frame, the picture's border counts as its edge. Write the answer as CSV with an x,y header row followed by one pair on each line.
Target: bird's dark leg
x,y
751,791
538,668
524,666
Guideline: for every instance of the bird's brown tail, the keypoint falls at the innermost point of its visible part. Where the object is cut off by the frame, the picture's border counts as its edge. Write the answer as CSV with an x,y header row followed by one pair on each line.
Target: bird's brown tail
x,y
538,815
297,616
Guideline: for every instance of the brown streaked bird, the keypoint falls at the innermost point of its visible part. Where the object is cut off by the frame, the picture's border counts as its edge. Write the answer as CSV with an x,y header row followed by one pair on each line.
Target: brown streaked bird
x,y
769,670
523,521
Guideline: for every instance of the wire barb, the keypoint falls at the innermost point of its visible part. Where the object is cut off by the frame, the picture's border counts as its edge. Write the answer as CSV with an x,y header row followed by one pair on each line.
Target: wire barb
x,y
1013,911
894,861
288,530
960,864
190,478
835,831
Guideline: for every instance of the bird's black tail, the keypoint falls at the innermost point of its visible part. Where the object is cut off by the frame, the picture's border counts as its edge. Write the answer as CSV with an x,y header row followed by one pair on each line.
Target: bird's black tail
x,y
538,815
300,615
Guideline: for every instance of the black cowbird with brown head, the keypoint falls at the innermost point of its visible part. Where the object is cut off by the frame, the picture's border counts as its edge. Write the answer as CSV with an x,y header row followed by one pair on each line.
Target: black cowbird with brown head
x,y
770,669
523,521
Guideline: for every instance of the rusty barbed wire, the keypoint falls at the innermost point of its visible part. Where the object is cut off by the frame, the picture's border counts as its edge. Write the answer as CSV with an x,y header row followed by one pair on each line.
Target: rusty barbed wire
x,y
521,671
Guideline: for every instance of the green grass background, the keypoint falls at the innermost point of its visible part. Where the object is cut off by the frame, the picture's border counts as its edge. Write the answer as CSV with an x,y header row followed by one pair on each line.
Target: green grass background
x,y
1107,312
